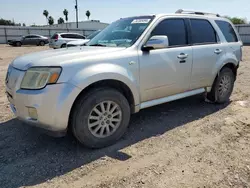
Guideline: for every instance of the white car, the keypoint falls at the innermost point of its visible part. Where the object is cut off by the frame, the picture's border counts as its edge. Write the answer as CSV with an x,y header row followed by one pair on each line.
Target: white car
x,y
134,63
84,41
60,40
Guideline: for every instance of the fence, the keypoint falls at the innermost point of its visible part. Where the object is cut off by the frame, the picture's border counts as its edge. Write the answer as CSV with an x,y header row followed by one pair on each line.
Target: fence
x,y
15,32
244,31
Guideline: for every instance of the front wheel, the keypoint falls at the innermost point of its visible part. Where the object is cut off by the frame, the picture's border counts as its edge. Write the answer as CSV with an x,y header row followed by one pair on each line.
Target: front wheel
x,y
222,87
18,44
100,118
42,43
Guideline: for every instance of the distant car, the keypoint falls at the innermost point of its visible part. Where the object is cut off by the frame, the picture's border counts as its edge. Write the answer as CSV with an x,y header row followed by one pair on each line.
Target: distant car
x,y
29,40
84,41
60,40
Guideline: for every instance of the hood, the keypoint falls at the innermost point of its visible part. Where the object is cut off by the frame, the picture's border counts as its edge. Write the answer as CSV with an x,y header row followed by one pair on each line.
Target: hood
x,y
60,57
78,42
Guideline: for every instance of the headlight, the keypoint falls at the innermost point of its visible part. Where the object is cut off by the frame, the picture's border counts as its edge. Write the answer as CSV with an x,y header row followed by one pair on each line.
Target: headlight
x,y
39,77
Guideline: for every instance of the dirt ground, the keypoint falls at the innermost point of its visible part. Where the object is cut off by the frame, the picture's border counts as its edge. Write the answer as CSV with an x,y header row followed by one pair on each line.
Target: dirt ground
x,y
186,143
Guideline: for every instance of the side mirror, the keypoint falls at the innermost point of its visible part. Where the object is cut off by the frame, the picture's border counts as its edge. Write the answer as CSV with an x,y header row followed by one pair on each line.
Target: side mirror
x,y
156,42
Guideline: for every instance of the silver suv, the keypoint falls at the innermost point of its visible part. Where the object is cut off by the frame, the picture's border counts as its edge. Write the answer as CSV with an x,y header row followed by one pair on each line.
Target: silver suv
x,y
134,63
60,40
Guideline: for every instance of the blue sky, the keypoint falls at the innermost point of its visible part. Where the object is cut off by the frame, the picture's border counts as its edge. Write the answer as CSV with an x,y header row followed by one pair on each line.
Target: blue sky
x,y
30,11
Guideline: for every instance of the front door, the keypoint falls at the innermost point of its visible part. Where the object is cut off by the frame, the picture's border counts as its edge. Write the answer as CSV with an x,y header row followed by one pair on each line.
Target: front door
x,y
26,40
165,72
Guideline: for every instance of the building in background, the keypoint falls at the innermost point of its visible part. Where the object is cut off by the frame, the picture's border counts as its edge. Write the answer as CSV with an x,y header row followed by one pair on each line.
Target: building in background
x,y
86,25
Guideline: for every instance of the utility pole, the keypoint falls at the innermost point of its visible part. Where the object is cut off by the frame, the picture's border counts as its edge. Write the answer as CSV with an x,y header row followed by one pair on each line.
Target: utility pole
x,y
76,7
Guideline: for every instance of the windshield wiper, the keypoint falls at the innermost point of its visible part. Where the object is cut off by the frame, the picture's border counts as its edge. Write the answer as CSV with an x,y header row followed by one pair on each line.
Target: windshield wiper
x,y
97,45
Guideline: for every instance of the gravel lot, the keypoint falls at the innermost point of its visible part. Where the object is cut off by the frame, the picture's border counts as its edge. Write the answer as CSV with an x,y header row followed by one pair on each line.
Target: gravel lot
x,y
186,143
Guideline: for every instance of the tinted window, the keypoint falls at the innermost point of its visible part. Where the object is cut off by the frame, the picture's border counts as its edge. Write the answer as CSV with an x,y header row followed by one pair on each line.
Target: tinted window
x,y
72,36
65,36
28,37
33,36
79,37
175,30
227,31
202,32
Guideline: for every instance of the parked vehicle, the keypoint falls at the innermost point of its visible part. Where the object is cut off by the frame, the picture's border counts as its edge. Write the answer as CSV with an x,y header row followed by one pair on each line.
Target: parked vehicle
x,y
29,40
84,41
134,63
60,40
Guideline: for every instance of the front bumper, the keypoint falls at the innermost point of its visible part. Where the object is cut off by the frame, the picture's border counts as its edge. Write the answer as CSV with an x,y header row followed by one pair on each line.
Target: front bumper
x,y
53,105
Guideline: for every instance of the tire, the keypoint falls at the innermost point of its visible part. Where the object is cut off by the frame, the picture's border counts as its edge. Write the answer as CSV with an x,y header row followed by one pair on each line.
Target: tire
x,y
94,137
18,44
41,43
217,94
63,46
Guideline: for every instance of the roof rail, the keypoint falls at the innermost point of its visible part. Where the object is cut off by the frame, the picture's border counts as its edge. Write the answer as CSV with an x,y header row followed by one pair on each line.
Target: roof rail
x,y
181,11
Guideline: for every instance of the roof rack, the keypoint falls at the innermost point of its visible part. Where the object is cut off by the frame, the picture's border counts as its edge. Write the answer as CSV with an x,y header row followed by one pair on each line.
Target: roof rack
x,y
181,11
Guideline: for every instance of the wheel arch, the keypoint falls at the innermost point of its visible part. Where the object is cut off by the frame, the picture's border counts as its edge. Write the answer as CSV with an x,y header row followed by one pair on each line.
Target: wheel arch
x,y
109,83
233,66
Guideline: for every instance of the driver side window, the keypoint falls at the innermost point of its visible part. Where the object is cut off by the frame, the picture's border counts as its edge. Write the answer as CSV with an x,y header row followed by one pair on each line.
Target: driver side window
x,y
174,29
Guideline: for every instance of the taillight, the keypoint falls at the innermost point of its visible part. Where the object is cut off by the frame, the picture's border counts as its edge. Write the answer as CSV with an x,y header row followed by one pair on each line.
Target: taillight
x,y
56,37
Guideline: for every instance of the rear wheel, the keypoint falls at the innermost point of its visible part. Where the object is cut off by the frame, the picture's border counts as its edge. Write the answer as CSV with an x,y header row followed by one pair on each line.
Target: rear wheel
x,y
222,87
42,43
63,46
100,118
18,44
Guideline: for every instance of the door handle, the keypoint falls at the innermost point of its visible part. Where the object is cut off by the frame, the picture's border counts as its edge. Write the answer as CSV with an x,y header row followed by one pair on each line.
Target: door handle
x,y
182,56
217,51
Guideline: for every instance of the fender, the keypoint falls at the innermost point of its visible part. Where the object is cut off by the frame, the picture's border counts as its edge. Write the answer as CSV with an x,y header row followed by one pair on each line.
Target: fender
x,y
225,59
107,71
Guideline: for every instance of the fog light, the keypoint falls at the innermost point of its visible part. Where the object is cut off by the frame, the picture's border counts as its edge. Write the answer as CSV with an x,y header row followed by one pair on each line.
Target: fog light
x,y
32,113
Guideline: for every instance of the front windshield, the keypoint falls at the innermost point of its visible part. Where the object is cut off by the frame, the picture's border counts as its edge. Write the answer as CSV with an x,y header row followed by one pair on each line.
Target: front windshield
x,y
93,34
122,33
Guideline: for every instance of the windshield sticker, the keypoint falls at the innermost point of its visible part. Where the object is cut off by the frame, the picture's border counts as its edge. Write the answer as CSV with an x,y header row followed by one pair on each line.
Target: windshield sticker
x,y
140,21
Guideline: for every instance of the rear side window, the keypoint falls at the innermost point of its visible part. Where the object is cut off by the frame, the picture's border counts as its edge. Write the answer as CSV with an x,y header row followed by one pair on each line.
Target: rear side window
x,y
227,30
72,36
202,32
175,30
65,36
79,37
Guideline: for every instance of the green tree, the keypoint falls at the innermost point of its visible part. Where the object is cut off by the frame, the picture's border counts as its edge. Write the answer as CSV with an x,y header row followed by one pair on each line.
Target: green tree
x,y
6,22
237,20
46,14
24,24
66,13
88,14
60,20
51,20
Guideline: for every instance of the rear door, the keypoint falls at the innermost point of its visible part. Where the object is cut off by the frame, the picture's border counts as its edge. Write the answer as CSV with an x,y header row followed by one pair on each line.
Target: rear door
x,y
207,50
33,39
234,42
